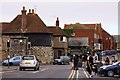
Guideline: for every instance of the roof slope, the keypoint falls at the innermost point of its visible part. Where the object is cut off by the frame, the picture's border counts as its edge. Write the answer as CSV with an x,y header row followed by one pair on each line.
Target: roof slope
x,y
34,24
76,26
57,31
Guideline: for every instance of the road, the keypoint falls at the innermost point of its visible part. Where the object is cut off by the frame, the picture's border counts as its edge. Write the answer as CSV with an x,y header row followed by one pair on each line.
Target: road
x,y
51,72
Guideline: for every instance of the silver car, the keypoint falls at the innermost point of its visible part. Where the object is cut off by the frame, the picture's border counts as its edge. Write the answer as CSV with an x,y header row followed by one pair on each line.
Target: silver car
x,y
62,60
29,62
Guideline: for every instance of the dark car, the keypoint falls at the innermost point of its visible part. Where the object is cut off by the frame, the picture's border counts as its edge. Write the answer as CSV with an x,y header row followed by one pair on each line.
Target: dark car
x,y
12,61
110,70
62,60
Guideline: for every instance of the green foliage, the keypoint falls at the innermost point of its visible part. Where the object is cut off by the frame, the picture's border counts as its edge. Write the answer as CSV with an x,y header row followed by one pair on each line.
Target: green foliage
x,y
78,26
68,32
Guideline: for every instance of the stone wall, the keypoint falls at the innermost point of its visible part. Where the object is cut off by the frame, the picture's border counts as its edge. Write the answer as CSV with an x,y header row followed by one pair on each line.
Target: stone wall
x,y
44,54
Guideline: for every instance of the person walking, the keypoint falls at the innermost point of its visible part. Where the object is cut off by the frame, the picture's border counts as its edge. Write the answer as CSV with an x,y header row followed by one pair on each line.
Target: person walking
x,y
89,64
75,62
107,61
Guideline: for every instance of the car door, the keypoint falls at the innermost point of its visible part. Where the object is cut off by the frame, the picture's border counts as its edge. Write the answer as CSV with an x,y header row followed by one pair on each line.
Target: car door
x,y
16,60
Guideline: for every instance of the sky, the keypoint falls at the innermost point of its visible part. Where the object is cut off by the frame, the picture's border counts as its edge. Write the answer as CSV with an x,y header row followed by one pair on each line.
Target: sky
x,y
68,11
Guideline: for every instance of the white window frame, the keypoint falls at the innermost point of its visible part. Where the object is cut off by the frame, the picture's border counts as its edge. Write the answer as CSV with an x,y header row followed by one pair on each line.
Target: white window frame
x,y
64,39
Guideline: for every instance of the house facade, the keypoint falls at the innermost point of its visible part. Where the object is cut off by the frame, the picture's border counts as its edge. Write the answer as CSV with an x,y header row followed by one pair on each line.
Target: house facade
x,y
98,38
60,45
28,28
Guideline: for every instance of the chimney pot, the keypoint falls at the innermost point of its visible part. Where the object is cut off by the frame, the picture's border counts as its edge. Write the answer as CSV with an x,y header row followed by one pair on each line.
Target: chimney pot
x,y
29,10
33,11
23,7
57,22
24,11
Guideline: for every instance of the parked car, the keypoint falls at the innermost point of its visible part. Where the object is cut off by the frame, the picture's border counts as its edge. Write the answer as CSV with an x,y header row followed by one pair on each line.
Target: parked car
x,y
110,70
62,60
111,54
12,61
29,62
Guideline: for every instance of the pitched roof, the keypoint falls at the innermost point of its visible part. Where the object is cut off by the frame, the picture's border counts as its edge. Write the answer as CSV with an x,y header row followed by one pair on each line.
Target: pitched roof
x,y
57,31
75,26
34,24
6,25
81,26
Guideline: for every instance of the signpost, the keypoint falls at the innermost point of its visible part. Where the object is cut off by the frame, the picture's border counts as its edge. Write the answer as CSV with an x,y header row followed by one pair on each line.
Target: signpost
x,y
8,46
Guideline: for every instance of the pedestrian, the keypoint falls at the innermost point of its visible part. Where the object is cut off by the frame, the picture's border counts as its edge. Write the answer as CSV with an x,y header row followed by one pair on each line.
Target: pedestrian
x,y
75,62
107,61
95,61
89,64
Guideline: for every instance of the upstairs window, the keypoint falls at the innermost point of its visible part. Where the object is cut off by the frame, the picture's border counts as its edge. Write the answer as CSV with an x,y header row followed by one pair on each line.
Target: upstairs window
x,y
62,39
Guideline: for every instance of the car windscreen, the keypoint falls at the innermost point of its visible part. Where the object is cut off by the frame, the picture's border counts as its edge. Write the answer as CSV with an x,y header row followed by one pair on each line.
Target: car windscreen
x,y
28,58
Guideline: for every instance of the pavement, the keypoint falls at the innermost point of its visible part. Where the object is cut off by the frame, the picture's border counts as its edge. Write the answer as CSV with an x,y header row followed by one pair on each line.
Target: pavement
x,y
11,68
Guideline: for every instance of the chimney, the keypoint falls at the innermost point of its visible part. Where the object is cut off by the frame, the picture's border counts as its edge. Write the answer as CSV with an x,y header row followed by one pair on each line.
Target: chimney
x,y
29,10
23,11
57,22
32,11
24,22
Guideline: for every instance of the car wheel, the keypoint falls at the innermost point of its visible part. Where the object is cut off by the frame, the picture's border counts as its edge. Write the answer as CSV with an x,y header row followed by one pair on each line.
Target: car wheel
x,y
110,73
35,68
23,68
10,64
38,68
61,63
20,69
53,63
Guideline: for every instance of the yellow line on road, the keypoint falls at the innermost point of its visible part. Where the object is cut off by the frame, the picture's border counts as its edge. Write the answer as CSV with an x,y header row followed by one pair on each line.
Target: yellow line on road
x,y
71,76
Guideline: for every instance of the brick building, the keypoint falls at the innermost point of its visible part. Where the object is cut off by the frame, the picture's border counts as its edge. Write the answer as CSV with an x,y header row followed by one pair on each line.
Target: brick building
x,y
98,38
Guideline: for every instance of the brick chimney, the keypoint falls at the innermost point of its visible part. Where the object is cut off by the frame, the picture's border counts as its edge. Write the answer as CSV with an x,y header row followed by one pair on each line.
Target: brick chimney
x,y
24,22
29,10
33,11
57,22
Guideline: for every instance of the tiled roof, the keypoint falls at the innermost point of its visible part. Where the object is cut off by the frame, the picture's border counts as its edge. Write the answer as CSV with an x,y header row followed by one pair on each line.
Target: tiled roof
x,y
34,24
57,31
75,26
6,25
81,26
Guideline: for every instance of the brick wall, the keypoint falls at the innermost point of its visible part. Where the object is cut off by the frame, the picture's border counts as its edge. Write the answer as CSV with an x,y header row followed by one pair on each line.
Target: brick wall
x,y
44,54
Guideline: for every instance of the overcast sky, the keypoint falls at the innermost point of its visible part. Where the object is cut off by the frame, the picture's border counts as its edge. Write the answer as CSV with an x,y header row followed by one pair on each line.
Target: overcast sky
x,y
68,11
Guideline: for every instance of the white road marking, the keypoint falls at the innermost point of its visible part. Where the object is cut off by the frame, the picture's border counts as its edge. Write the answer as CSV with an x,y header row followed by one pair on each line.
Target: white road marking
x,y
77,74
1,72
70,74
35,72
85,73
43,69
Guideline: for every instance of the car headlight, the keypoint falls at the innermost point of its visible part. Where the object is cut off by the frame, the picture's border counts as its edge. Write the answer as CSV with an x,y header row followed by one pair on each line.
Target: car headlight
x,y
104,67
